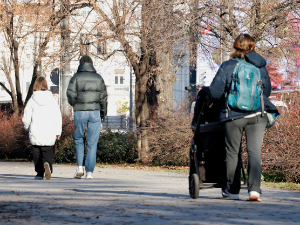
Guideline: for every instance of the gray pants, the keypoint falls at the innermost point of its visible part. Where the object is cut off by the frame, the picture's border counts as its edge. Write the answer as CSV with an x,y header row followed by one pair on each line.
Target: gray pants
x,y
254,128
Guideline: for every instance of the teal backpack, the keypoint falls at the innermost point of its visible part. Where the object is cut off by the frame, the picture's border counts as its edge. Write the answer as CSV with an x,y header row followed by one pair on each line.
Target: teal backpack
x,y
246,87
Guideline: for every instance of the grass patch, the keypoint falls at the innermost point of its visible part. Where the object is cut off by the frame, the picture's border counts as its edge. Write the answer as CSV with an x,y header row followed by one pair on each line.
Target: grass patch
x,y
281,185
272,176
176,169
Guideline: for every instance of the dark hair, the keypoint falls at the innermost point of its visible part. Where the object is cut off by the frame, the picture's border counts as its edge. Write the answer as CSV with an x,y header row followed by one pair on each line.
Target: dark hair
x,y
243,44
85,59
40,84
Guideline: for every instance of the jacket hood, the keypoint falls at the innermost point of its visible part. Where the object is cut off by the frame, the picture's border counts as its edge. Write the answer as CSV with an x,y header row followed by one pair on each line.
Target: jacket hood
x,y
86,67
42,97
84,59
255,59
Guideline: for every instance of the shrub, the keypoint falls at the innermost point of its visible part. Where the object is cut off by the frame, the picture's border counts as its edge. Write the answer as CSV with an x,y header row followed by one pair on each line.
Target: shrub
x,y
170,138
14,140
65,151
117,147
272,176
65,148
281,142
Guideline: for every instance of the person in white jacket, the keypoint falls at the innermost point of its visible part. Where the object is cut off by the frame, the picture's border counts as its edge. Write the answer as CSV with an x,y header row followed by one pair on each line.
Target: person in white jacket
x,y
42,119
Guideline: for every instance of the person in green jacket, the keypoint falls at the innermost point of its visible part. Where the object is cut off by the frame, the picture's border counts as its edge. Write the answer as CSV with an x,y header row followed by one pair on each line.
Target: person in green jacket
x,y
87,94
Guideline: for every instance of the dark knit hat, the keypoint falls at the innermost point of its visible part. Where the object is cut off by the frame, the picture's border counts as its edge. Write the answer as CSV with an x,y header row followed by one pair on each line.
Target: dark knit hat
x,y
85,59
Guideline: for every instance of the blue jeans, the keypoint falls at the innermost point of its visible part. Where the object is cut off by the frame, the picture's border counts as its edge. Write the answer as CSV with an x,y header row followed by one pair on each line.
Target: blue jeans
x,y
93,121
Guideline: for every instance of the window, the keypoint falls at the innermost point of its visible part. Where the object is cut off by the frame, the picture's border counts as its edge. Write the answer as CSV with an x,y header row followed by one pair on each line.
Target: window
x,y
119,80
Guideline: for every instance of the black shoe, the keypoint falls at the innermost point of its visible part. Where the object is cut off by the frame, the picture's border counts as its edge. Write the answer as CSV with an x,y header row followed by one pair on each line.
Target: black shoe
x,y
38,177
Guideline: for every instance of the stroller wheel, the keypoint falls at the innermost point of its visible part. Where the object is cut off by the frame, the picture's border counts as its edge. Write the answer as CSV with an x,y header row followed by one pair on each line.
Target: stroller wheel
x,y
194,186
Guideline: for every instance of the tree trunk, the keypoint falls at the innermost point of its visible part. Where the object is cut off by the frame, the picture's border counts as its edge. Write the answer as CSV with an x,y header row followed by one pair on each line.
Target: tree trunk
x,y
33,78
165,81
65,60
229,28
13,96
142,115
17,72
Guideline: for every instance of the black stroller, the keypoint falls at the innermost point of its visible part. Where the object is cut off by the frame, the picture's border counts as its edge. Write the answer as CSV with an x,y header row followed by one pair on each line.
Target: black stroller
x,y
207,152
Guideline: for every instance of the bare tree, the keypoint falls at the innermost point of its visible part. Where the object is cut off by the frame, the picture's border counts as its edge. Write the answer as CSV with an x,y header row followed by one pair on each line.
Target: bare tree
x,y
267,21
10,32
147,31
54,13
22,22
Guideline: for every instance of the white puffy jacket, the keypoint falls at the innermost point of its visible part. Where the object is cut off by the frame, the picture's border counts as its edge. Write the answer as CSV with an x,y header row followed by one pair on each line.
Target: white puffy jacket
x,y
42,118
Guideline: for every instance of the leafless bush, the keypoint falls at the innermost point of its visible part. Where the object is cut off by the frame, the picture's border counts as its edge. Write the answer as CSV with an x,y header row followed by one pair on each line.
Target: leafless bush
x,y
282,141
14,141
170,138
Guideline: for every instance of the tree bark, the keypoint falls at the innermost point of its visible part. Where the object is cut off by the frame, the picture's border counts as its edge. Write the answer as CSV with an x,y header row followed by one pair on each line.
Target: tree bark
x,y
165,79
33,78
142,115
15,48
142,108
228,28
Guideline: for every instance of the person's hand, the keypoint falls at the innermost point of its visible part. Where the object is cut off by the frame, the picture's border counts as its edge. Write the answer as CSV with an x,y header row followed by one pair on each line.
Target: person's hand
x,y
58,137
102,119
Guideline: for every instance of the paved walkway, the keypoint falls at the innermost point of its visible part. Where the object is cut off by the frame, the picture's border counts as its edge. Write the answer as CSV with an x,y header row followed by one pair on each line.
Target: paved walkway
x,y
120,196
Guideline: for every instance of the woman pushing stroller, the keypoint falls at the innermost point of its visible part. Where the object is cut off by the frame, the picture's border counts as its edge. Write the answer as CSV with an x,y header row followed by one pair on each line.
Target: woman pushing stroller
x,y
235,121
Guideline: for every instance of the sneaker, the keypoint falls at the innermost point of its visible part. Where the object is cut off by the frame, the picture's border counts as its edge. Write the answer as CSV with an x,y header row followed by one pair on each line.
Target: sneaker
x,y
79,173
37,177
47,171
224,192
254,196
89,176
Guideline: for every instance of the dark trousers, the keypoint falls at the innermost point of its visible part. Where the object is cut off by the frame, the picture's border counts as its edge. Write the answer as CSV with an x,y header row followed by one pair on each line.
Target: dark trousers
x,y
42,154
254,128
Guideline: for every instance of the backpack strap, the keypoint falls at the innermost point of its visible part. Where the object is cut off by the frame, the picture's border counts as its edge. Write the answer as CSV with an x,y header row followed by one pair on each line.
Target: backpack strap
x,y
262,99
227,107
232,78
262,102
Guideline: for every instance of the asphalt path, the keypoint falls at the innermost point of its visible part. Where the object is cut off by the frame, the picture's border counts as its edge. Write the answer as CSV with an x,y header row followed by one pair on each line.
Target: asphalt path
x,y
124,196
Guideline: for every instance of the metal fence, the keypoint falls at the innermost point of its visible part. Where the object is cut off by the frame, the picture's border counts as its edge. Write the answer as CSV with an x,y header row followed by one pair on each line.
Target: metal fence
x,y
118,123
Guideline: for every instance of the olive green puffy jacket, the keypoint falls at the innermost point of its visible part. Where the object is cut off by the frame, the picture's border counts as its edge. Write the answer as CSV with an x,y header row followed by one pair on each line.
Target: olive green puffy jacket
x,y
87,90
